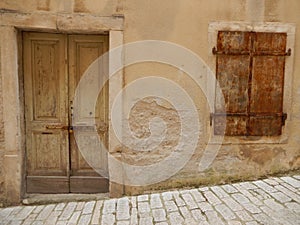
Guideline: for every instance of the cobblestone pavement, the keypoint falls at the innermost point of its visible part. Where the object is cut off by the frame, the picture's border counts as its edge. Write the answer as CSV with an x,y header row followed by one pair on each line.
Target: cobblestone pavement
x,y
269,201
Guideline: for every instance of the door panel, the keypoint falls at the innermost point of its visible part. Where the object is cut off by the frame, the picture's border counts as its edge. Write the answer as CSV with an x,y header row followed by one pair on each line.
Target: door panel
x,y
53,66
45,104
83,51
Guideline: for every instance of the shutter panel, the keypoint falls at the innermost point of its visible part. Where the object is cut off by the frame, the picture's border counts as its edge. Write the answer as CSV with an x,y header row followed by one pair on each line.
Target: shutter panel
x,y
266,101
250,72
233,63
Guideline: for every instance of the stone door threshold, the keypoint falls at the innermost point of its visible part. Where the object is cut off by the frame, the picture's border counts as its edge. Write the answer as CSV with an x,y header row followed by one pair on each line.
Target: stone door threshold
x,y
39,199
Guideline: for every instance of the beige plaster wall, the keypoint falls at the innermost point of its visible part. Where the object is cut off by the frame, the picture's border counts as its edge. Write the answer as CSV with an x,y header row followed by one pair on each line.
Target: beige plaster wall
x,y
184,23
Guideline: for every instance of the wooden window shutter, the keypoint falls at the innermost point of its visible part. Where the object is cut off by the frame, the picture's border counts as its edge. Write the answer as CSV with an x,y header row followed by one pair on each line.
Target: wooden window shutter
x,y
266,100
250,72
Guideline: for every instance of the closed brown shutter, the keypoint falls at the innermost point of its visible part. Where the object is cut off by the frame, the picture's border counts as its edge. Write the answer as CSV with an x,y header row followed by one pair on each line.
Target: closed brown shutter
x,y
250,72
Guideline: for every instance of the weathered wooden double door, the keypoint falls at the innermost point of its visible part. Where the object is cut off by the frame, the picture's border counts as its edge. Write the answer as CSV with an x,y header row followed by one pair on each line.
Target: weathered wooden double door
x,y
53,66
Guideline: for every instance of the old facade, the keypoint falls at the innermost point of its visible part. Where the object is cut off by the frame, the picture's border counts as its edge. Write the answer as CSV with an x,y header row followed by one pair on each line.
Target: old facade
x,y
251,48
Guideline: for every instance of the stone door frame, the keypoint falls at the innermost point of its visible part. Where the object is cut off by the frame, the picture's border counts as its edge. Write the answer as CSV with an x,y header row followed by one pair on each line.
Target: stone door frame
x,y
11,74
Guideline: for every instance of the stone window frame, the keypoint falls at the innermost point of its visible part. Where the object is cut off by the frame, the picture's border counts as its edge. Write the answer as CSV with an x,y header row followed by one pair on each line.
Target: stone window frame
x,y
12,23
273,27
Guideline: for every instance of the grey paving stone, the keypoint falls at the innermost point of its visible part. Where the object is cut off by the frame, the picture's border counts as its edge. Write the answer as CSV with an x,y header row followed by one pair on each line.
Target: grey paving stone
x,y
229,188
273,205
197,215
143,198
182,192
264,219
294,206
133,202
123,223
4,213
263,185
251,197
205,206
243,215
146,221
279,196
259,193
289,193
197,195
74,218
16,210
24,212
53,217
47,210
212,198
39,223
175,218
134,216
167,196
162,223
252,223
191,204
60,206
159,215
155,201
30,219
171,206
251,208
233,222
204,223
17,222
219,192
109,206
297,177
240,198
97,212
291,188
108,219
202,189
278,180
247,185
84,219
68,211
179,201
232,204
185,212
271,181
123,209
80,206
225,212
281,216
291,181
38,209
213,218
256,201
88,207
143,209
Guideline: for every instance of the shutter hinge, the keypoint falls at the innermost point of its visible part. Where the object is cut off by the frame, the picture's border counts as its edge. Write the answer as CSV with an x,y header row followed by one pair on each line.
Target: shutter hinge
x,y
262,53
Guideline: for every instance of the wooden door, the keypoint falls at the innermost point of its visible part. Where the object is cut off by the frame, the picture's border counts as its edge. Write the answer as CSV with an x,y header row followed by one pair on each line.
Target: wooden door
x,y
53,66
83,51
46,104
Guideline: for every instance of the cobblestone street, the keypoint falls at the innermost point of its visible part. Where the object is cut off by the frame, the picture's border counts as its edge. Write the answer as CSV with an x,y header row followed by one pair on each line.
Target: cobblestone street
x,y
270,201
